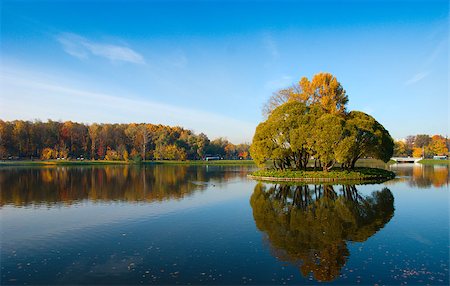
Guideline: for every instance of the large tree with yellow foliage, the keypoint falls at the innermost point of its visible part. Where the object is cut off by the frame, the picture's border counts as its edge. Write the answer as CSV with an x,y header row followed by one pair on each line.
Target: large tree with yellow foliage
x,y
438,145
313,123
323,90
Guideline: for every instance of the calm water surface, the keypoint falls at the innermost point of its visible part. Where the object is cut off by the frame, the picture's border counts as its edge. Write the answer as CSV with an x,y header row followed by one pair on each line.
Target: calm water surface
x,y
211,225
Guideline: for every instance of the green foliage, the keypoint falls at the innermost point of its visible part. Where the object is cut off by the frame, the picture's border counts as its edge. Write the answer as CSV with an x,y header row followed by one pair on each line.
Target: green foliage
x,y
280,139
328,132
368,138
169,152
401,150
136,159
313,123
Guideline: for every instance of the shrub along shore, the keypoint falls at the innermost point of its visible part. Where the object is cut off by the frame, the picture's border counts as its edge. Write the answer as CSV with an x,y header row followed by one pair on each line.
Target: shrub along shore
x,y
335,174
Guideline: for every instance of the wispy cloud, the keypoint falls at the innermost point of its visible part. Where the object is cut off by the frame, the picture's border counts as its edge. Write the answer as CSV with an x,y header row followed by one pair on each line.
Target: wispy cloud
x,y
441,47
417,77
271,46
82,48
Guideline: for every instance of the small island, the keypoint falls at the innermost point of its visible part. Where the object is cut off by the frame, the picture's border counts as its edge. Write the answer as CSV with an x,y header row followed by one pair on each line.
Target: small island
x,y
358,174
309,136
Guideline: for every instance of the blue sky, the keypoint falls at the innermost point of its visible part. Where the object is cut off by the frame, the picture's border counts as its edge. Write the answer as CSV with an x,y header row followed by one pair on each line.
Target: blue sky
x,y
211,65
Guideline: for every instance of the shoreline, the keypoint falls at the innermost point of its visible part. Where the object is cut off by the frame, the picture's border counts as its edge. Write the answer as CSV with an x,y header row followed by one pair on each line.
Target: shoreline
x,y
132,163
319,180
359,174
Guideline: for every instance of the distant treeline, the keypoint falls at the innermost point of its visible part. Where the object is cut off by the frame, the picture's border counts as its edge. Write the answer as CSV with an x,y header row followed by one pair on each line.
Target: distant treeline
x,y
53,139
422,145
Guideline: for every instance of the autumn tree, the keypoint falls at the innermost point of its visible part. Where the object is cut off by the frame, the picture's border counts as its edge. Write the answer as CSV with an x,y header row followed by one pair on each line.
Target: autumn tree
x,y
36,131
53,139
48,153
6,139
438,145
170,152
409,141
93,135
51,134
400,149
144,136
230,150
21,136
312,121
67,135
242,150
217,147
422,140
417,152
278,98
323,90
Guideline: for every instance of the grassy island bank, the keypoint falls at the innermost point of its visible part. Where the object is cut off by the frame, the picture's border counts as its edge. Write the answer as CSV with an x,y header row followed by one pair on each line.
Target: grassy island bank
x,y
334,175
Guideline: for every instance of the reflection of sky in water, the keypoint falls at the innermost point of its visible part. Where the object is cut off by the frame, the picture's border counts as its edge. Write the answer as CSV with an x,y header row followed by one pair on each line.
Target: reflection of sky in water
x,y
210,237
414,246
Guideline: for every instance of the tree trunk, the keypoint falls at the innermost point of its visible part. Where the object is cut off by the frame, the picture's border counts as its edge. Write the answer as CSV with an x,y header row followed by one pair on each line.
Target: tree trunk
x,y
328,166
93,151
353,163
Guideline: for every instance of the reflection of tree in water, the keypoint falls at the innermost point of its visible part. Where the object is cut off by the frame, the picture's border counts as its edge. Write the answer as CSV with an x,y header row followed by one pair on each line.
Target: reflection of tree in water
x,y
423,176
309,225
25,186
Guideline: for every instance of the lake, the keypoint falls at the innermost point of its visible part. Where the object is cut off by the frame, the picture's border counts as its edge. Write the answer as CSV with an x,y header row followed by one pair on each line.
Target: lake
x,y
168,224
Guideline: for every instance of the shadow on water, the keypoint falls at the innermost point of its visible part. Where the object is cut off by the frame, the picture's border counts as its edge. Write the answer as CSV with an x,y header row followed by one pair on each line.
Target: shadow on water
x,y
68,185
310,225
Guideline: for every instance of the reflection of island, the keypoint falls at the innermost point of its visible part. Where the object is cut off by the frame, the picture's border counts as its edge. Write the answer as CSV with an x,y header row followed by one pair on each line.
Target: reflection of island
x,y
48,186
423,176
309,226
